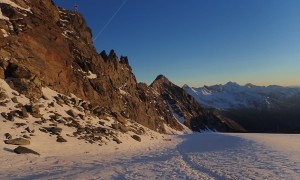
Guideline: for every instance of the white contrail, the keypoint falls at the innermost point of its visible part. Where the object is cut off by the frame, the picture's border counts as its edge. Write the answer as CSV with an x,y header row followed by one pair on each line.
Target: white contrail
x,y
109,21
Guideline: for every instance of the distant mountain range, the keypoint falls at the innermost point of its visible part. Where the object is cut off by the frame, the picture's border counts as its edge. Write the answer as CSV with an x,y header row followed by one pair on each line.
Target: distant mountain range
x,y
256,108
235,96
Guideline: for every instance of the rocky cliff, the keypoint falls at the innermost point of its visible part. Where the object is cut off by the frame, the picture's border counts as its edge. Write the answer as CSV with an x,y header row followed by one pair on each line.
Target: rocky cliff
x,y
46,46
189,111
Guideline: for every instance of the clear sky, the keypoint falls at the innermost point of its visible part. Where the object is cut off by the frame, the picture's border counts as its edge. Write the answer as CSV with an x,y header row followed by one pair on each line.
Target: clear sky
x,y
199,42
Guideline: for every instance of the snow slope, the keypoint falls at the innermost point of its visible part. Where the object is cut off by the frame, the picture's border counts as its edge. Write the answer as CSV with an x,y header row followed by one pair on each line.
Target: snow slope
x,y
233,96
196,156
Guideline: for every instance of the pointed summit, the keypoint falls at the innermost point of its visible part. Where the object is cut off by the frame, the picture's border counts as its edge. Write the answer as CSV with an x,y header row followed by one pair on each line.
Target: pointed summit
x,y
160,77
159,81
230,83
185,86
186,109
112,54
103,54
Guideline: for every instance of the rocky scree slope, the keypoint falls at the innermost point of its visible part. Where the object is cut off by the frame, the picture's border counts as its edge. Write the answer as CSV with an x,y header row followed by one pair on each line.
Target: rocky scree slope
x,y
69,121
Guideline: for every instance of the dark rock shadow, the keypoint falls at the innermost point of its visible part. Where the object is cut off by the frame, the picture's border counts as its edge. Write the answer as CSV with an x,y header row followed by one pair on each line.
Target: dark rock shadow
x,y
8,150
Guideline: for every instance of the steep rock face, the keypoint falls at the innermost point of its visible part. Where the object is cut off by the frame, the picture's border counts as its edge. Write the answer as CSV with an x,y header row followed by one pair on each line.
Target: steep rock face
x,y
43,45
187,108
156,104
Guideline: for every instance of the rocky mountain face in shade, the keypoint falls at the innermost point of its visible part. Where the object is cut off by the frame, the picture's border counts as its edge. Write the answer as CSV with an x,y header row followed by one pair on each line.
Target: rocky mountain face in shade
x,y
46,46
189,111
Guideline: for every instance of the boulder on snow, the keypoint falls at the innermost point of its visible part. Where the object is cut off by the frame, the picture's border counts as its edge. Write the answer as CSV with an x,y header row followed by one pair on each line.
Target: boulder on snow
x,y
29,130
23,112
118,141
8,136
20,124
120,127
26,86
7,116
15,100
137,138
33,110
17,141
72,113
3,96
4,115
60,139
24,150
54,130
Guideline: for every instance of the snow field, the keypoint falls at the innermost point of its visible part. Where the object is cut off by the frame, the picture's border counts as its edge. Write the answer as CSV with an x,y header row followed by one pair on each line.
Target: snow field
x,y
195,156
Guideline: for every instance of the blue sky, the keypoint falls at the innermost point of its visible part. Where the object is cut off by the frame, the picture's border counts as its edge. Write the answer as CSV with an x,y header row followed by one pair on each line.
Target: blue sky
x,y
199,42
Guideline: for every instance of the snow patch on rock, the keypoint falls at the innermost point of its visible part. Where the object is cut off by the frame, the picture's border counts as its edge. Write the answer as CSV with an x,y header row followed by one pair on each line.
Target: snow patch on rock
x,y
91,75
2,16
4,33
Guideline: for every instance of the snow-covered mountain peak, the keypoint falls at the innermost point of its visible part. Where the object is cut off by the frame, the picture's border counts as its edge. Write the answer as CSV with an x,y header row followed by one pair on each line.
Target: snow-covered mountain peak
x,y
232,84
234,96
250,85
185,86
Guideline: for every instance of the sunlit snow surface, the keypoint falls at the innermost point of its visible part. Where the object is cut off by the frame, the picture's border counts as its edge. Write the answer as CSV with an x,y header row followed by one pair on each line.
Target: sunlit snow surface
x,y
196,156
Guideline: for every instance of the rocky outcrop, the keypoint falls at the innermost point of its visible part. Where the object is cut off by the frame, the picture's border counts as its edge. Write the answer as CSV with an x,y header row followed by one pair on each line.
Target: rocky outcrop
x,y
185,107
42,45
46,46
